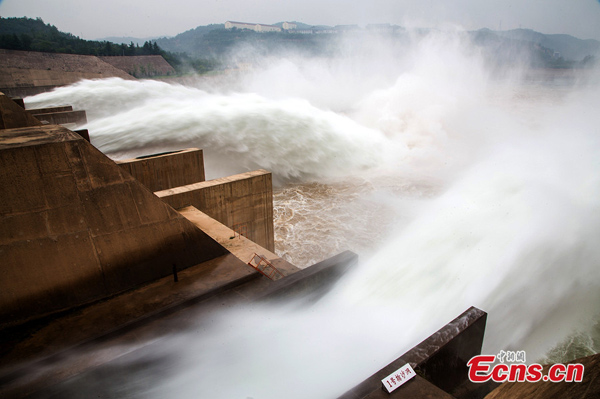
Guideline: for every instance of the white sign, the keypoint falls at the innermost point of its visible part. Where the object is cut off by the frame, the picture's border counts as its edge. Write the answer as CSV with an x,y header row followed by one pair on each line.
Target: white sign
x,y
398,377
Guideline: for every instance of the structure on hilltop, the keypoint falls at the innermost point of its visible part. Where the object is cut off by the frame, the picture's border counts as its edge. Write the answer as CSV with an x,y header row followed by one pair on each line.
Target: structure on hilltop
x,y
258,27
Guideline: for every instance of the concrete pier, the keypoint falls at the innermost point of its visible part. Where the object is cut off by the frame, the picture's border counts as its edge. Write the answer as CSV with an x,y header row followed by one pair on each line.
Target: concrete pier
x,y
48,110
75,228
13,116
165,171
440,362
71,118
242,202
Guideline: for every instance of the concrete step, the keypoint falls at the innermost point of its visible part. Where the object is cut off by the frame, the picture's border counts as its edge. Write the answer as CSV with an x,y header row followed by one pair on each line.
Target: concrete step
x,y
238,245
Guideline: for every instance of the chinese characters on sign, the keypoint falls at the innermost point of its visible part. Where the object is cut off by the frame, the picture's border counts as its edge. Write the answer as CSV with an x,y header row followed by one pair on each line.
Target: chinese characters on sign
x,y
398,377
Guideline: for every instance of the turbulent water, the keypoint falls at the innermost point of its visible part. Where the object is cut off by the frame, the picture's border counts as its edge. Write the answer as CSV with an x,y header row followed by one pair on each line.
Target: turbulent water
x,y
456,187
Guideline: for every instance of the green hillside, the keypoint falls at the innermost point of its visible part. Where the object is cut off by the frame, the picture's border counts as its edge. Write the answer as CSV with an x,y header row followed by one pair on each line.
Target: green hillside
x,y
35,35
206,48
569,47
214,41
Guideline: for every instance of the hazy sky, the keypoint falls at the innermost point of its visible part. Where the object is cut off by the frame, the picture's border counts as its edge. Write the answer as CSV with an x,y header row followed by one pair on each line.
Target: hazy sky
x,y
145,18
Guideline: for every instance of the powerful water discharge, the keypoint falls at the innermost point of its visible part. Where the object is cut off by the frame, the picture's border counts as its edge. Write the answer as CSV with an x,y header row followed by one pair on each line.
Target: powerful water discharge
x,y
457,186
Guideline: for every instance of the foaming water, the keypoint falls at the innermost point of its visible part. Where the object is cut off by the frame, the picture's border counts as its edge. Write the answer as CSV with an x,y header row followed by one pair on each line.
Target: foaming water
x,y
237,132
516,241
314,221
456,190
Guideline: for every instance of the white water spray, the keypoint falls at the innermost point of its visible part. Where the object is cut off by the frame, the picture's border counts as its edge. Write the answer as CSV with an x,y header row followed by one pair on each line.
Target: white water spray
x,y
237,132
510,224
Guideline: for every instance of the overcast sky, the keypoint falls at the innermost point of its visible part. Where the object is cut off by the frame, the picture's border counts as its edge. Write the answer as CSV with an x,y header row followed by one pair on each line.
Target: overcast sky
x,y
147,18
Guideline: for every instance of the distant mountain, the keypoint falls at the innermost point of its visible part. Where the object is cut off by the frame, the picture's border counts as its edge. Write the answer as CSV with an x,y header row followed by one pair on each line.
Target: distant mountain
x,y
502,51
529,48
188,41
216,42
569,47
548,49
207,46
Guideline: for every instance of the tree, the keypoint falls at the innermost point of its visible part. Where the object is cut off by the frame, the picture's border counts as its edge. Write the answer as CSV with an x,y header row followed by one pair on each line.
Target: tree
x,y
147,48
12,42
108,48
26,41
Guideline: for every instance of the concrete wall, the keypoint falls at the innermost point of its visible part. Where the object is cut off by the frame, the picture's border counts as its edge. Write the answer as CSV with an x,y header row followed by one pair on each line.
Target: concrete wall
x,y
36,111
141,65
25,73
440,362
74,227
164,171
241,202
13,116
62,115
76,118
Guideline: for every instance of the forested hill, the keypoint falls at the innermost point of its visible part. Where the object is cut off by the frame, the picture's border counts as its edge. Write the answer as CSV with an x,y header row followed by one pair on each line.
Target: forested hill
x,y
569,47
208,47
35,35
502,47
188,41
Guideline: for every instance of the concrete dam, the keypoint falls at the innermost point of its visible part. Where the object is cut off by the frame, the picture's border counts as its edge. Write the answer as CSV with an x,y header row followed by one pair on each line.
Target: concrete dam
x,y
105,260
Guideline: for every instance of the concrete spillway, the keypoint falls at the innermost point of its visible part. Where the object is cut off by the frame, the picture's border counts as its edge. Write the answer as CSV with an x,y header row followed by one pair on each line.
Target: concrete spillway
x,y
84,237
100,232
96,229
90,250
